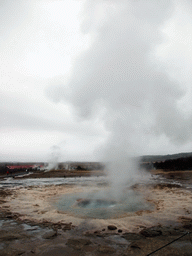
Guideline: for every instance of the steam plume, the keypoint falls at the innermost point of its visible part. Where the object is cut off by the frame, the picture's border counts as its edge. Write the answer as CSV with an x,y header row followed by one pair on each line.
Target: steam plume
x,y
119,80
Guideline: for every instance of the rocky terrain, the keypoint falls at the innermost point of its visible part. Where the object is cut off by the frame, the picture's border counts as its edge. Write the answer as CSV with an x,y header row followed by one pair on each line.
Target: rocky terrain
x,y
30,231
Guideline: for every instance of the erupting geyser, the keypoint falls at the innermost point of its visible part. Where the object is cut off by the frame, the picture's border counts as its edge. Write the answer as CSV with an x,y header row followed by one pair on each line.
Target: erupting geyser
x,y
118,84
114,198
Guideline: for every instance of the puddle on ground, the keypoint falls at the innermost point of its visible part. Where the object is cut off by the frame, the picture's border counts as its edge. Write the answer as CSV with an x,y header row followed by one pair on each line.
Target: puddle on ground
x,y
185,246
14,227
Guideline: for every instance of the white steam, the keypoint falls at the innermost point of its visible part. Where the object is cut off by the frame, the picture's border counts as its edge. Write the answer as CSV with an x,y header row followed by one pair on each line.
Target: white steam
x,y
54,157
120,81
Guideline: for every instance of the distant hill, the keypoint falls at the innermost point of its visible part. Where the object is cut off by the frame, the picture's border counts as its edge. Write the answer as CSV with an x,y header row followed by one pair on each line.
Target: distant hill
x,y
156,158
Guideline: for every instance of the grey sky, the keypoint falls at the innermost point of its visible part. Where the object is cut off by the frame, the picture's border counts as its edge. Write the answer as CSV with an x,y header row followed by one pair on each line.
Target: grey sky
x,y
95,78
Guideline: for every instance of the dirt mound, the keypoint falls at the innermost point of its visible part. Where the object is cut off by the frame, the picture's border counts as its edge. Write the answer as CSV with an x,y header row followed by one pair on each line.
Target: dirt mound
x,y
186,222
5,193
167,185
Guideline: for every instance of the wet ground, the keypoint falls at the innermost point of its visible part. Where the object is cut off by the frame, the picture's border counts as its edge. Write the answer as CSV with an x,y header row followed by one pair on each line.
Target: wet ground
x,y
27,238
24,235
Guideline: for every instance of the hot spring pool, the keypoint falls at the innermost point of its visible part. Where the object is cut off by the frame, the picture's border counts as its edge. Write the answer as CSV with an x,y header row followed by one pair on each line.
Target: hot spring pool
x,y
101,204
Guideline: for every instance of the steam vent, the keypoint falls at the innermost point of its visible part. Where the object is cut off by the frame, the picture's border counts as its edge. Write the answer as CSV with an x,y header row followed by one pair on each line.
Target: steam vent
x,y
102,204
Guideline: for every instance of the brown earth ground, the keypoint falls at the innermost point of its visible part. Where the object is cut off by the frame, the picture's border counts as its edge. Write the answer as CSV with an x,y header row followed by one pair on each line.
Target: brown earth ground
x,y
29,225
64,174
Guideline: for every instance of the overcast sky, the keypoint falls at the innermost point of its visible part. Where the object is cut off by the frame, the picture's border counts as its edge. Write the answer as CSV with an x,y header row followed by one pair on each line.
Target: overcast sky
x,y
81,79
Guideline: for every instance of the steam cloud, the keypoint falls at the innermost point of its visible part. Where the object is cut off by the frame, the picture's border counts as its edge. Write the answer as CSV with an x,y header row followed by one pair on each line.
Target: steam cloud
x,y
120,81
